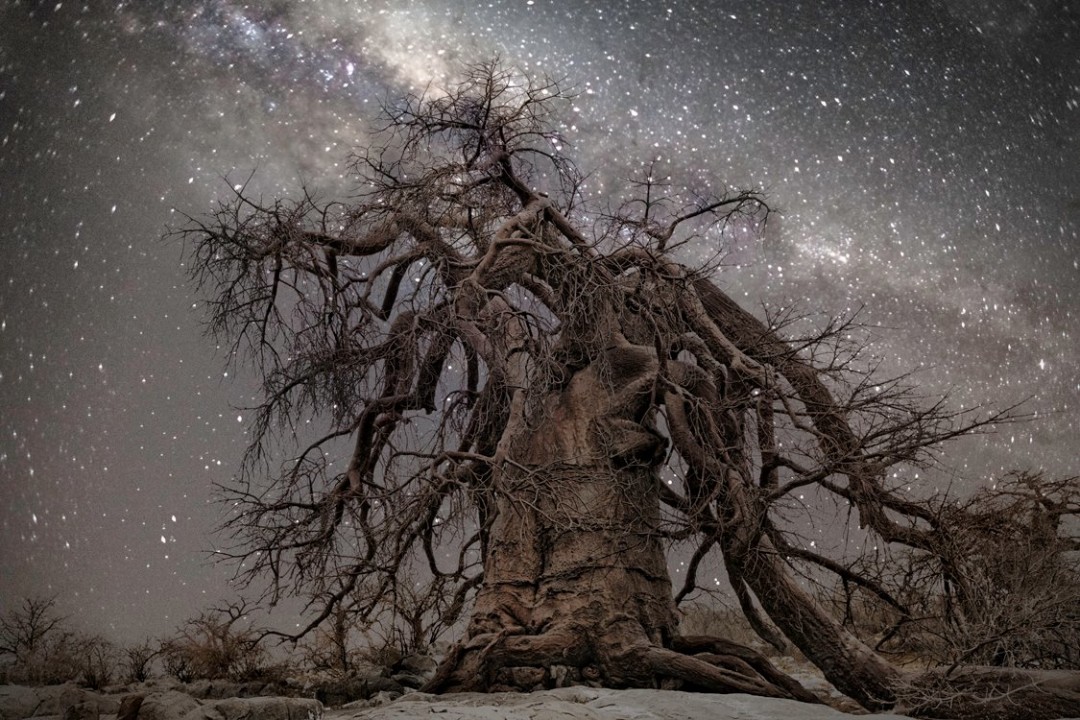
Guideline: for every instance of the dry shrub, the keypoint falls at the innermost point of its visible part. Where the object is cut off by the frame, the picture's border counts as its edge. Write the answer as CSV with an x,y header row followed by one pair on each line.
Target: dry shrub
x,y
136,661
381,627
332,647
97,660
1001,587
42,649
717,620
216,644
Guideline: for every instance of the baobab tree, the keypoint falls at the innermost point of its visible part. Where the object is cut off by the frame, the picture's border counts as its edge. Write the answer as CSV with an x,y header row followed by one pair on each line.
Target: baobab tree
x,y
475,375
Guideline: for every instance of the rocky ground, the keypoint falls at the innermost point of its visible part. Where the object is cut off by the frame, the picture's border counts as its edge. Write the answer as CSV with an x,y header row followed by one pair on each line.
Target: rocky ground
x,y
160,701
380,694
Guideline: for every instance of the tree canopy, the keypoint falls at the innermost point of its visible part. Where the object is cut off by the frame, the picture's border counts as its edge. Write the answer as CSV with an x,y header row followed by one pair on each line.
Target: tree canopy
x,y
487,388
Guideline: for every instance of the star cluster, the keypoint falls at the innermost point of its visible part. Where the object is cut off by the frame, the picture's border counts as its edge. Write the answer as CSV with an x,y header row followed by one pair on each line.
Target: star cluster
x,y
923,157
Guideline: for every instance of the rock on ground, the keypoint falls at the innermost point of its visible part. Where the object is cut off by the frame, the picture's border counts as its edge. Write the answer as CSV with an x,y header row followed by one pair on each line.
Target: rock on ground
x,y
64,702
168,705
572,703
18,702
263,708
579,703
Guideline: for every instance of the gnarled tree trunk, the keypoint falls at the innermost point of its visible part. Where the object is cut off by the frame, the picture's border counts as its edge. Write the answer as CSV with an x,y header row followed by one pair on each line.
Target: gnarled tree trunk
x,y
576,587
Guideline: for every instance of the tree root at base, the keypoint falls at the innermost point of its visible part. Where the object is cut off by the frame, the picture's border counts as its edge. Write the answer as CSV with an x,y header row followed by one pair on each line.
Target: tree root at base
x,y
698,644
513,661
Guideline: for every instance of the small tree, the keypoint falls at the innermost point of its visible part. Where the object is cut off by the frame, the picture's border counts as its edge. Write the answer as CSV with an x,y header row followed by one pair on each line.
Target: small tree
x,y
42,649
39,644
483,368
26,630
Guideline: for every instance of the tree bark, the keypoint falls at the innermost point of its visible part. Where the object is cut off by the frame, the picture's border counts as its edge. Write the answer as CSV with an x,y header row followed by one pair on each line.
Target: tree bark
x,y
848,663
575,574
576,588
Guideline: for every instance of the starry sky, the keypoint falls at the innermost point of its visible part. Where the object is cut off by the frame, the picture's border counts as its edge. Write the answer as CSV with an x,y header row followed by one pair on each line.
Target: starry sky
x,y
924,156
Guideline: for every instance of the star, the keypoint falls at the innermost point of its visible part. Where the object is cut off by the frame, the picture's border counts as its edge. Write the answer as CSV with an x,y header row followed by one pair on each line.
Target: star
x,y
921,159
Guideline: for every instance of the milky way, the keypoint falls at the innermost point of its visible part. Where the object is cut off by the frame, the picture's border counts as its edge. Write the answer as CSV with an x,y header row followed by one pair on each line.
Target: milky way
x,y
925,160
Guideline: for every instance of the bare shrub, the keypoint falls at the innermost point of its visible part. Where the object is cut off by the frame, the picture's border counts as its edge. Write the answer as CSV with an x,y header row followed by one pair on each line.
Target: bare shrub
x,y
216,644
412,618
42,649
97,660
1001,586
136,661
382,625
1010,579
26,632
704,618
332,646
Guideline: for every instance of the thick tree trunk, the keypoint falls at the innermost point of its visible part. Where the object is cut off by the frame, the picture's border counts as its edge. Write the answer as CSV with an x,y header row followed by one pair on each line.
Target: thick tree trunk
x,y
576,588
575,576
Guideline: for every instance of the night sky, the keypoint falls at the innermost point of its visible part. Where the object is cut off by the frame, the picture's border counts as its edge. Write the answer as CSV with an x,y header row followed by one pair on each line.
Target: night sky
x,y
925,157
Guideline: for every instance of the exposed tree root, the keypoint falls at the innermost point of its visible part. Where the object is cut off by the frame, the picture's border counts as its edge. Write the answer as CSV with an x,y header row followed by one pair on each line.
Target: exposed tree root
x,y
701,674
575,655
760,664
511,660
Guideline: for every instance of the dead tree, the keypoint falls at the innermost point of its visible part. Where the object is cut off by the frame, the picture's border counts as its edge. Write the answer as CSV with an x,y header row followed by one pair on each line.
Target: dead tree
x,y
472,372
